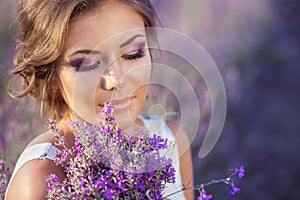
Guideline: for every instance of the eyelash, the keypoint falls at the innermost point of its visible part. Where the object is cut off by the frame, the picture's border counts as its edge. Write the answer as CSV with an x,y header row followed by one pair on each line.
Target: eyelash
x,y
83,68
77,64
133,56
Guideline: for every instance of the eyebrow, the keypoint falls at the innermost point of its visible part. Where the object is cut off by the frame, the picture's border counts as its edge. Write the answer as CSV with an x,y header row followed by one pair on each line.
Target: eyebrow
x,y
85,51
130,40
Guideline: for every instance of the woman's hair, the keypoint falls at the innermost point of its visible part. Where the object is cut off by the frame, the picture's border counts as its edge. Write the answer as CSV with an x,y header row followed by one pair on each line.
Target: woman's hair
x,y
43,28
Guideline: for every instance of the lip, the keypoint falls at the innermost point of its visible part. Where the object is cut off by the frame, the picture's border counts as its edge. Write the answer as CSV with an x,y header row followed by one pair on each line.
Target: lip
x,y
120,104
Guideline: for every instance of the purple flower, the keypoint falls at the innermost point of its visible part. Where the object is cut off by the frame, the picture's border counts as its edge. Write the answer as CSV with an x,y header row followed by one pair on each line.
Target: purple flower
x,y
234,190
204,195
64,155
54,177
4,178
82,182
2,164
53,182
240,171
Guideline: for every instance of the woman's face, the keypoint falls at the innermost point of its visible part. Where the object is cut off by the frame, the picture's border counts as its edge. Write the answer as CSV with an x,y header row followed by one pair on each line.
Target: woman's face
x,y
106,59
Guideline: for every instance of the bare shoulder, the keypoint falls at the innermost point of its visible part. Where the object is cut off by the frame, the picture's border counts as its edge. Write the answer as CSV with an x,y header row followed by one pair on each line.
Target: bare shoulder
x,y
180,135
186,165
30,181
181,139
46,137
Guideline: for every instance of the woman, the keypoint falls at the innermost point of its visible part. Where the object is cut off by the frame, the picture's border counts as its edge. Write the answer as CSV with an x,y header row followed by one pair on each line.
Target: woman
x,y
71,76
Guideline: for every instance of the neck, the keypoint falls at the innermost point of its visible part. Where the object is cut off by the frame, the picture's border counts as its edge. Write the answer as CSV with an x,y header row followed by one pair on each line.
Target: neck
x,y
66,130
135,128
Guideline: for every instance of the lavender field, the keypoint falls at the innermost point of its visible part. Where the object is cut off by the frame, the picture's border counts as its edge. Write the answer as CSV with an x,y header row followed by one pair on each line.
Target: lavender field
x,y
255,45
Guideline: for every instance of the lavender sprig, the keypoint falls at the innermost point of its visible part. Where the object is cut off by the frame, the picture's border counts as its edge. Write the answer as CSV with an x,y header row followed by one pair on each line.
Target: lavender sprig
x,y
4,178
227,180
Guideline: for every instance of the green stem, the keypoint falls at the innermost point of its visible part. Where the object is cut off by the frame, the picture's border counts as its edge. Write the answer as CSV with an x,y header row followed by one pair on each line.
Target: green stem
x,y
198,187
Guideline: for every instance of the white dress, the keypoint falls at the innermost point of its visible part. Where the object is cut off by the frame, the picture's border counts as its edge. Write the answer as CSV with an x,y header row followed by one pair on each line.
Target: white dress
x,y
156,125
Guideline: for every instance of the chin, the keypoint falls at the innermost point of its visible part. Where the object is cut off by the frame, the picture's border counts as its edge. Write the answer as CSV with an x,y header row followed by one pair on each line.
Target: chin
x,y
126,119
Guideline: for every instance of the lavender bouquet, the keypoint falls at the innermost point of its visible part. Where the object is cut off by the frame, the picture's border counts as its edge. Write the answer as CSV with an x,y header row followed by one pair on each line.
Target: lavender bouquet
x,y
106,164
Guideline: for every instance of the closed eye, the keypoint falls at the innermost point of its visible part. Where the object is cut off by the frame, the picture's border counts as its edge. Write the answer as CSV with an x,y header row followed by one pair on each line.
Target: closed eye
x,y
84,64
136,54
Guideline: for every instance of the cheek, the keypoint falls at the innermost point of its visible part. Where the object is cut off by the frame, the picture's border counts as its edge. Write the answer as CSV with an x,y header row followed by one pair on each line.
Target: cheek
x,y
142,78
140,72
79,92
67,85
138,80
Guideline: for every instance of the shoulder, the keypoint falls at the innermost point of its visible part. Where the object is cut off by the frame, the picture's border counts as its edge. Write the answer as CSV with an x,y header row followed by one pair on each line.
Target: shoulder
x,y
181,138
180,135
186,164
30,181
46,137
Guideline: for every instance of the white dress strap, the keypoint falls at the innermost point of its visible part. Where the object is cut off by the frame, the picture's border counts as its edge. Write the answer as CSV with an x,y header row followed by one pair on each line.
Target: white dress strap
x,y
157,125
37,151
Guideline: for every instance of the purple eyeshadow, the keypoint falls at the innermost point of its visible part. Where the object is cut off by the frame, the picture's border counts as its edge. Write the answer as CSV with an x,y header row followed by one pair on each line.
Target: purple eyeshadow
x,y
84,64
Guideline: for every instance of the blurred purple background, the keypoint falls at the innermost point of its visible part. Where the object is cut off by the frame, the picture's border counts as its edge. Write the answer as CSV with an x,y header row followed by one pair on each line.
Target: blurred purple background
x,y
256,46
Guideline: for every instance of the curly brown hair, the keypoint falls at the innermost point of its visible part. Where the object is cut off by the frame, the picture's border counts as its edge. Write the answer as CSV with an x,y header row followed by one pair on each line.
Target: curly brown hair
x,y
43,29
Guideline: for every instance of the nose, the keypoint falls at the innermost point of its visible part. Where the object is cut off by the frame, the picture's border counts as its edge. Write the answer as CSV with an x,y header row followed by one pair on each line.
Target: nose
x,y
113,77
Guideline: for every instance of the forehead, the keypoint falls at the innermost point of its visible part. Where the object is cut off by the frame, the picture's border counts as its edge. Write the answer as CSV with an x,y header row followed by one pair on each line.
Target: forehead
x,y
94,27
